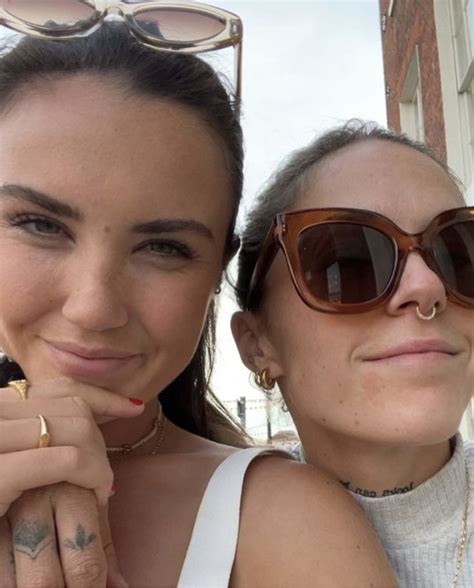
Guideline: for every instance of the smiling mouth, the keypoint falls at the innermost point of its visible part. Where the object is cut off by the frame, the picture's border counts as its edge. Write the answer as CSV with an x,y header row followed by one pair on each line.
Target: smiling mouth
x,y
80,363
414,356
416,351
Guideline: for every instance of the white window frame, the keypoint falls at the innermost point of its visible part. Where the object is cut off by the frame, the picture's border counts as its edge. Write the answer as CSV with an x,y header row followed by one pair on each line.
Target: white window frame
x,y
411,101
463,36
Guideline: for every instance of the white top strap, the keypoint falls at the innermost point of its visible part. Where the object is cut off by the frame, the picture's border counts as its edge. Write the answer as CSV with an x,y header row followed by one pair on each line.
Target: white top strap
x,y
211,551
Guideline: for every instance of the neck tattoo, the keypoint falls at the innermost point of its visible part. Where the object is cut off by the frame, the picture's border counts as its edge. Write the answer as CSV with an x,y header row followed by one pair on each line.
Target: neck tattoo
x,y
374,494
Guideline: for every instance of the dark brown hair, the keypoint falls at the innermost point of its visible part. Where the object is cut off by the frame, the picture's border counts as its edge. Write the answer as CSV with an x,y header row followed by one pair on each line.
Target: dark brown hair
x,y
183,79
291,180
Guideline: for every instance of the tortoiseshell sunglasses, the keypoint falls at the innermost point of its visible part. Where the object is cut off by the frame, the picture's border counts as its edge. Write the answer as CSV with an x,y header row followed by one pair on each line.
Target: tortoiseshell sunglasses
x,y
344,260
182,27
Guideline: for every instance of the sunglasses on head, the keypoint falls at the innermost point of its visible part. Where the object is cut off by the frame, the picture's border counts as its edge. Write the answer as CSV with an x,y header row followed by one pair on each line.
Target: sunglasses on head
x,y
186,27
345,260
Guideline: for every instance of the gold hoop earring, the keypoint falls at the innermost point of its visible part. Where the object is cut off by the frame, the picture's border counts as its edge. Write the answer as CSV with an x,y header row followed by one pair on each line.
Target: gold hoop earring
x,y
263,380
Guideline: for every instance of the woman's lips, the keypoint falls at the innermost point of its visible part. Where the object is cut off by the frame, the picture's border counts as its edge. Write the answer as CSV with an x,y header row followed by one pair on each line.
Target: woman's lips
x,y
81,363
415,352
413,358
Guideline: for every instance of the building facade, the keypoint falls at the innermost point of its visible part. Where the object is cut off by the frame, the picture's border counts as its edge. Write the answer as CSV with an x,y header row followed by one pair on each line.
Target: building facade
x,y
428,50
428,53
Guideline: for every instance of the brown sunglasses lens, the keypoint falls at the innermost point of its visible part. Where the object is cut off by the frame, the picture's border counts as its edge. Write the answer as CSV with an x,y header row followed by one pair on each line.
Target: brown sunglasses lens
x,y
453,251
346,263
49,13
178,25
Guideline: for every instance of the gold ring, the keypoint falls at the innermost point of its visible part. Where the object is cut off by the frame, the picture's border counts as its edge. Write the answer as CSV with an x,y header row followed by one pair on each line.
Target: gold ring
x,y
43,440
21,387
426,317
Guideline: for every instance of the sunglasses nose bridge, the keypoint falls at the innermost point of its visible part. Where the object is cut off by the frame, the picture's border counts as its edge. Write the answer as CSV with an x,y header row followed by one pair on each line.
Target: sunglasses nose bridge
x,y
112,9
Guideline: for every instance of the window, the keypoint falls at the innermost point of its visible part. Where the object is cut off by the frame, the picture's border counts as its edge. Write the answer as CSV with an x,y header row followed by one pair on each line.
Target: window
x,y
462,22
462,25
411,104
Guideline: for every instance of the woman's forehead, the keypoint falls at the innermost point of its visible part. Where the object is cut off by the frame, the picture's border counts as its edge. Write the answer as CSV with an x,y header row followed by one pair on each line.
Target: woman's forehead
x,y
139,150
392,179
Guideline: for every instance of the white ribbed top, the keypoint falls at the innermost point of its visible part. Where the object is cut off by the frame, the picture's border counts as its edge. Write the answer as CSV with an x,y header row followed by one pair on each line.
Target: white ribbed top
x,y
420,529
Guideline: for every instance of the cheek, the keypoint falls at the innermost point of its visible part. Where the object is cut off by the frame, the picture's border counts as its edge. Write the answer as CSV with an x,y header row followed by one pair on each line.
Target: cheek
x,y
174,309
27,284
313,348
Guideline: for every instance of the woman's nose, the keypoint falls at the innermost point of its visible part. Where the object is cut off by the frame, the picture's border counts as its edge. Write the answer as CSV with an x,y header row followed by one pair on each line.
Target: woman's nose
x,y
95,298
419,286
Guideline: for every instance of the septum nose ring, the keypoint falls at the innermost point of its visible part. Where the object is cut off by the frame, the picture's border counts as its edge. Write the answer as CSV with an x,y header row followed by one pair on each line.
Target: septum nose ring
x,y
426,317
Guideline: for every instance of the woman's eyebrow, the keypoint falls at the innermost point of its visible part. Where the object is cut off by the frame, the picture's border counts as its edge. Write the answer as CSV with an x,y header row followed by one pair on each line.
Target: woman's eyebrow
x,y
172,225
51,204
40,199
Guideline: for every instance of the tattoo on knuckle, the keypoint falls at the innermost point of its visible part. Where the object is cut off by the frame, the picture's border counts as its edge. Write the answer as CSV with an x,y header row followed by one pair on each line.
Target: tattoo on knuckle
x,y
81,540
32,537
85,565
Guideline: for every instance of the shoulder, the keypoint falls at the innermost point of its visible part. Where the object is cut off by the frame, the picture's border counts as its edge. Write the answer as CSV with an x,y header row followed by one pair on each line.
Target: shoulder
x,y
300,527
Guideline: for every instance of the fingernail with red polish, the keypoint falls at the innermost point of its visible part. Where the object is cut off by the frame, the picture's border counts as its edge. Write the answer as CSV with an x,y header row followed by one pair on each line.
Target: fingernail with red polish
x,y
113,490
136,401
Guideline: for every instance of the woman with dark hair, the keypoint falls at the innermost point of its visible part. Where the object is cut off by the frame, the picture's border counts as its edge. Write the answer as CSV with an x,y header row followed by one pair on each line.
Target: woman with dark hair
x,y
356,274
120,177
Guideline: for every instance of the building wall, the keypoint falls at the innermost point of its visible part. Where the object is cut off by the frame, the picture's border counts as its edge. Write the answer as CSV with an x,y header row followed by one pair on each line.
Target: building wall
x,y
411,24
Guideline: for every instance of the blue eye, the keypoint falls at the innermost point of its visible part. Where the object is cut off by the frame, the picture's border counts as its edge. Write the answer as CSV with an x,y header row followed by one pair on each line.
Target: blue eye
x,y
37,225
167,248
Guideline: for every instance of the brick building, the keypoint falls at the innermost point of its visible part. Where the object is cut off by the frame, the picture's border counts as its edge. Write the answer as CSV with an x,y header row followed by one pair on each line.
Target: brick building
x,y
428,51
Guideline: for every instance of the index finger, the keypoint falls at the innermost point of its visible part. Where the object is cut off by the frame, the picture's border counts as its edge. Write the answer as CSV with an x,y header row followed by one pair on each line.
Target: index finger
x,y
101,402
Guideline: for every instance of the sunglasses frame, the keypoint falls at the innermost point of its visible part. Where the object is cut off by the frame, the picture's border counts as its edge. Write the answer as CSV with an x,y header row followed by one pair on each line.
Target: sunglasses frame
x,y
287,227
230,36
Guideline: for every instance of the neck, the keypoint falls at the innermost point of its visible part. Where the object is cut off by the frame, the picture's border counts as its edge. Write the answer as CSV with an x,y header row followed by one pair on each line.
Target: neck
x,y
127,431
372,469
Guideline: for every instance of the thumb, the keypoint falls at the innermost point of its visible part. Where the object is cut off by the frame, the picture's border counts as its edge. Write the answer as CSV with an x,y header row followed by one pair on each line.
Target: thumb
x,y
114,576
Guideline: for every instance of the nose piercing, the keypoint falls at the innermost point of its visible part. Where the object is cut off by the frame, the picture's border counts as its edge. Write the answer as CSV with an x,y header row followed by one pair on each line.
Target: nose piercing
x,y
426,317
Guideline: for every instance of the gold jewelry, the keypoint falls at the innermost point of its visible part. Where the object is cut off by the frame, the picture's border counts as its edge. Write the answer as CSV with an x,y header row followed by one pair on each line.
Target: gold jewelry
x,y
43,440
158,429
263,380
160,437
463,535
21,387
426,317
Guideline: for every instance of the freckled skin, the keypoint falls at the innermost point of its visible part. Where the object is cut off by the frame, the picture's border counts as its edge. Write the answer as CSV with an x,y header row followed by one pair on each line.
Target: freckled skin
x,y
102,287
340,400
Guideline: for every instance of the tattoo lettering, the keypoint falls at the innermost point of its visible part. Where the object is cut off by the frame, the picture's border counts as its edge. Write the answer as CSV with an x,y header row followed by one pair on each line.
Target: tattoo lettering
x,y
402,490
374,494
31,538
81,540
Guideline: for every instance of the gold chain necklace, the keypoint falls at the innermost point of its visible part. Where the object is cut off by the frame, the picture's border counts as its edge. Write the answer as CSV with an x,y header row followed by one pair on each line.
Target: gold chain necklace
x,y
463,535
158,429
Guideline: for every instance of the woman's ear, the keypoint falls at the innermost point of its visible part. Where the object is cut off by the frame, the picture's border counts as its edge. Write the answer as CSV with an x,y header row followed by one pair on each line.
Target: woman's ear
x,y
255,350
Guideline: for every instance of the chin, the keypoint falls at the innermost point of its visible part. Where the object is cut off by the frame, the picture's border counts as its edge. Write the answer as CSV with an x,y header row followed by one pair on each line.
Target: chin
x,y
422,428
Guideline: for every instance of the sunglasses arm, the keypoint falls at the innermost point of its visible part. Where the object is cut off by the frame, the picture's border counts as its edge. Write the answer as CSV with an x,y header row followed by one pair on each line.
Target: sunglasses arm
x,y
264,261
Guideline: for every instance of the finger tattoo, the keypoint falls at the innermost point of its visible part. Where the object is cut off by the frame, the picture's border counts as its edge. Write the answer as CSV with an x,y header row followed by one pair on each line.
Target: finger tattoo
x,y
81,539
31,537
